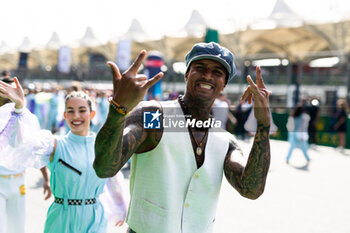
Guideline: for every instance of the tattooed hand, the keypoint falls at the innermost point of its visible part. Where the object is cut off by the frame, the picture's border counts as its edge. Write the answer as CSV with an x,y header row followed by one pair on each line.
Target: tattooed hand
x,y
260,94
249,180
130,87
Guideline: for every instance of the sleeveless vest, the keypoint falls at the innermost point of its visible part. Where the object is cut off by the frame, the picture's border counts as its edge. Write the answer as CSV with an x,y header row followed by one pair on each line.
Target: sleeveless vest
x,y
168,193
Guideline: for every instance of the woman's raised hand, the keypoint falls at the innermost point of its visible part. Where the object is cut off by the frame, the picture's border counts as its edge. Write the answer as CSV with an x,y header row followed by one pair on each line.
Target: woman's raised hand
x,y
13,92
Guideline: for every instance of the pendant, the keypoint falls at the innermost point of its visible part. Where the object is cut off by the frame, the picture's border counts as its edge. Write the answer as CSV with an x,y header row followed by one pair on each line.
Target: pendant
x,y
199,151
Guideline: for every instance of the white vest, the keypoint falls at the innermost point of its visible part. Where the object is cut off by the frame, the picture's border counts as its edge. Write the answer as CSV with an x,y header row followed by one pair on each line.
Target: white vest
x,y
168,193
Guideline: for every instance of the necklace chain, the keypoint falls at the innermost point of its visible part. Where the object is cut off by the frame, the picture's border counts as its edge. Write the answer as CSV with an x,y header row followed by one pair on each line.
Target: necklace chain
x,y
199,149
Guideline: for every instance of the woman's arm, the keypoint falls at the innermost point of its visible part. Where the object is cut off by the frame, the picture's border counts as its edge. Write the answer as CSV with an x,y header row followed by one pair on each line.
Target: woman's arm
x,y
22,143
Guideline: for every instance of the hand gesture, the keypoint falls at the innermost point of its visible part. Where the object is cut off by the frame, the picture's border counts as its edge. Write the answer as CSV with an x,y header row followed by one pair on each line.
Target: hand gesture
x,y
14,93
47,190
130,87
260,94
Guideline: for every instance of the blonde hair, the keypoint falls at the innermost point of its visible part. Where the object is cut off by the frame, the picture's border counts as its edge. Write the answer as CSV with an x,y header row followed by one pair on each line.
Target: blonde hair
x,y
81,95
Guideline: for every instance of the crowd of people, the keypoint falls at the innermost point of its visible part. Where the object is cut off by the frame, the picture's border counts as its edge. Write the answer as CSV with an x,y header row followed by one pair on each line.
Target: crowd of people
x,y
46,101
69,157
85,136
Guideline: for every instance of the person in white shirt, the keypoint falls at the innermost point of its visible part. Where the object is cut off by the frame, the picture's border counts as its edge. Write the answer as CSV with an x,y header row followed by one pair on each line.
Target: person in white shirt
x,y
12,186
221,110
176,173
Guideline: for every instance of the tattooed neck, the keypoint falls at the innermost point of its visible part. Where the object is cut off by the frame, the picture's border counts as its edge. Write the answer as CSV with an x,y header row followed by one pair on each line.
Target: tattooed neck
x,y
196,109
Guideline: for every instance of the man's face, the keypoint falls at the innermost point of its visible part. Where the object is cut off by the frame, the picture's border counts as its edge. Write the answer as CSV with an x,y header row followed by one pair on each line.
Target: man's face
x,y
205,79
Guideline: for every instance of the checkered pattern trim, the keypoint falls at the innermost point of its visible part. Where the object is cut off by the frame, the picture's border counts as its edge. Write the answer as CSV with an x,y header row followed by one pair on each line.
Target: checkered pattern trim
x,y
90,201
75,201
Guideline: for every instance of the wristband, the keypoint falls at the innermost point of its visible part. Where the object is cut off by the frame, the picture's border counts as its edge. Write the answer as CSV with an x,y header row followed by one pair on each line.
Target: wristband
x,y
116,106
18,110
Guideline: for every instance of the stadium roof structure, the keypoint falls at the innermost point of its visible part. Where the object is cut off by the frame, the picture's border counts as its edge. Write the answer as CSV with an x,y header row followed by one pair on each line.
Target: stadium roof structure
x,y
281,16
136,32
294,43
89,39
54,42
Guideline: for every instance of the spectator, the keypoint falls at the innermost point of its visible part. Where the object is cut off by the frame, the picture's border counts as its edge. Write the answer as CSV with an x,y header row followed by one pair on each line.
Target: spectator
x,y
76,187
12,185
340,123
241,113
221,110
298,136
312,108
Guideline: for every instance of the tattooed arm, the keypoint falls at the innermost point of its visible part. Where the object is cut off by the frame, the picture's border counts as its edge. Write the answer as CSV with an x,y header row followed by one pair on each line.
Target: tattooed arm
x,y
108,158
115,144
249,180
120,137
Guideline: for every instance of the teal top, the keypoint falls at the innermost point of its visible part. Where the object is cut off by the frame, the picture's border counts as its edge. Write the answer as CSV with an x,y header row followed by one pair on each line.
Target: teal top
x,y
73,177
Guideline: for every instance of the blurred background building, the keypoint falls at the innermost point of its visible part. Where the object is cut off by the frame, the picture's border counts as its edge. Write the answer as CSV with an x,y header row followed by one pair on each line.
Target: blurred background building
x,y
301,59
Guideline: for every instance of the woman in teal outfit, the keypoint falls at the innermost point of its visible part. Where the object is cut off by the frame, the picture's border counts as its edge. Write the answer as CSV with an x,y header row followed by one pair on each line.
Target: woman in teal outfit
x,y
74,183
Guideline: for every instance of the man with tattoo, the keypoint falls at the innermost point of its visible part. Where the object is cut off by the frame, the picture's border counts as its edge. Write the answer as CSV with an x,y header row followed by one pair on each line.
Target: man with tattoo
x,y
176,176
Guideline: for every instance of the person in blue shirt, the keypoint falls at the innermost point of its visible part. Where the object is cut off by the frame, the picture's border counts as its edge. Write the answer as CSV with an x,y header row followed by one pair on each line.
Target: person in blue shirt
x,y
74,183
298,136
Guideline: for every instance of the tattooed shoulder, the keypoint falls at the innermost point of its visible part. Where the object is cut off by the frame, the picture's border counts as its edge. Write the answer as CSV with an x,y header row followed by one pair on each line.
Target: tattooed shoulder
x,y
149,137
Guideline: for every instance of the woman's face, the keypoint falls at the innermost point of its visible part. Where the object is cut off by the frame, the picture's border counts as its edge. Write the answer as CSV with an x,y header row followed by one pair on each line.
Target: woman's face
x,y
78,116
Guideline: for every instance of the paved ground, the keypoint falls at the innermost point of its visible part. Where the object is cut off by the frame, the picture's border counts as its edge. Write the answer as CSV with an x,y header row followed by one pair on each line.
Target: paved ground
x,y
297,198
